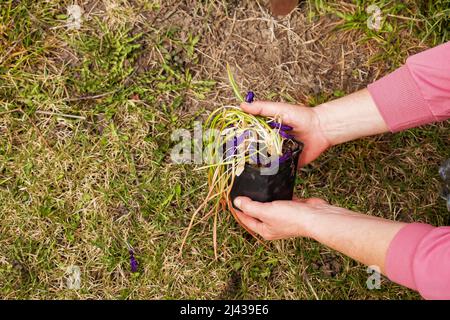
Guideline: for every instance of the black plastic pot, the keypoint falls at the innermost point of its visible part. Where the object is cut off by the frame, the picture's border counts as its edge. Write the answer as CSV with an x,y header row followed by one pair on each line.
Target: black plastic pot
x,y
266,188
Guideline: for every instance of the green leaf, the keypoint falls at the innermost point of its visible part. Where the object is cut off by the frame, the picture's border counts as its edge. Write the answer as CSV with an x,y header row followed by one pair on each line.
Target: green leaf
x,y
233,84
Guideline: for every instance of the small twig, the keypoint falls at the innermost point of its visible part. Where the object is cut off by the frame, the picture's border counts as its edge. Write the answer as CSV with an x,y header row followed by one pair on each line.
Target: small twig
x,y
305,276
404,18
2,59
10,111
215,234
90,97
35,128
5,180
225,43
48,113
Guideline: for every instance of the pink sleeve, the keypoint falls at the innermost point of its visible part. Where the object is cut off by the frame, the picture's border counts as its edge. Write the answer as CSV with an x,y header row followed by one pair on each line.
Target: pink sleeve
x,y
418,92
419,258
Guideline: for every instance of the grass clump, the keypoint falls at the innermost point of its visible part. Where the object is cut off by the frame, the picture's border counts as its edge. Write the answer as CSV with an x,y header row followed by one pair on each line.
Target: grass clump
x,y
85,170
233,140
399,21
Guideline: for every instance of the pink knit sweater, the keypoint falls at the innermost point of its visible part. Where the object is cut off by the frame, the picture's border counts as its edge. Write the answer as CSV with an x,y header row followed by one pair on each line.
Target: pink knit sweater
x,y
415,94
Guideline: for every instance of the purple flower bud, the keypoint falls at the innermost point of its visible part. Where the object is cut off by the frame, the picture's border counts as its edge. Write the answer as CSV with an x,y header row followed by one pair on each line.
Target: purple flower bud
x,y
133,262
249,97
242,137
230,151
280,126
285,135
285,157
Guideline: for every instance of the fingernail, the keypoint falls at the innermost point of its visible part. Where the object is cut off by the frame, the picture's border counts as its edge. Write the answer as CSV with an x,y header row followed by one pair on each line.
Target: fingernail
x,y
237,202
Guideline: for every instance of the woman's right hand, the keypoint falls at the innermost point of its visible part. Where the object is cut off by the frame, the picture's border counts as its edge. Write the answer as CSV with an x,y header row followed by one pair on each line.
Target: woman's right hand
x,y
348,118
304,120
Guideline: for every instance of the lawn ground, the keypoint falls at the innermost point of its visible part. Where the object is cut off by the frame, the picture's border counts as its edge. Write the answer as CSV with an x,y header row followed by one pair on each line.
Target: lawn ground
x,y
85,121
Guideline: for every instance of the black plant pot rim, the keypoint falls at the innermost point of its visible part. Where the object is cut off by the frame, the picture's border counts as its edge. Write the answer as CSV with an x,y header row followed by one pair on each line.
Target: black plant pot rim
x,y
298,148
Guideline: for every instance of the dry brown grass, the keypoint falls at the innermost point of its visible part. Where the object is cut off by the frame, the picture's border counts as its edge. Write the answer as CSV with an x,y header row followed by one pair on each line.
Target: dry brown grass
x,y
75,191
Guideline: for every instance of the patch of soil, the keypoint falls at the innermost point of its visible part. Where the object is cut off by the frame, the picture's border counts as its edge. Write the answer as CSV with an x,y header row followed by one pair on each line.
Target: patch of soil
x,y
120,211
328,265
233,286
276,57
23,273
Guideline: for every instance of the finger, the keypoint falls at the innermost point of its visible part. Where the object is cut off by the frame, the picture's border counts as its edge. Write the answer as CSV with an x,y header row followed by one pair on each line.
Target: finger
x,y
271,109
251,223
308,154
299,200
316,201
309,200
252,208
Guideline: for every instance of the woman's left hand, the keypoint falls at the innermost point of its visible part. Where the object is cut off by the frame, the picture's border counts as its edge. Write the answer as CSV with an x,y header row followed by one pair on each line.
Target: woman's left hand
x,y
279,219
363,237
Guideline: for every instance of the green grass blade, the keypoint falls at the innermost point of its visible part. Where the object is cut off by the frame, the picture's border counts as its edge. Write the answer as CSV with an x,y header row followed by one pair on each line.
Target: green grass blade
x,y
234,85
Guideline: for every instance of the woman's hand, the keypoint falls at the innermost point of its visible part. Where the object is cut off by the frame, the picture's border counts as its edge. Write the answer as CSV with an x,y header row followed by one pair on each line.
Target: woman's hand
x,y
331,123
304,120
363,237
279,219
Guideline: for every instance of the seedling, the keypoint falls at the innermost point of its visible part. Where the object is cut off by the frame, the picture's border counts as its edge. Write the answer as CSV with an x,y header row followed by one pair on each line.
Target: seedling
x,y
247,155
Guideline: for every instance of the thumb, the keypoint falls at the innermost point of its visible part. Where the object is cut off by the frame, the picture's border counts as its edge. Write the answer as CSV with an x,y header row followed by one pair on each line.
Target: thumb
x,y
316,201
252,208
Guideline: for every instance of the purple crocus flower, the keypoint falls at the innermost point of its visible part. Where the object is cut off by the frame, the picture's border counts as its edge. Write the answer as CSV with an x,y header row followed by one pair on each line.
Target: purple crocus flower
x,y
282,129
242,137
249,97
236,142
285,135
285,157
280,126
133,262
